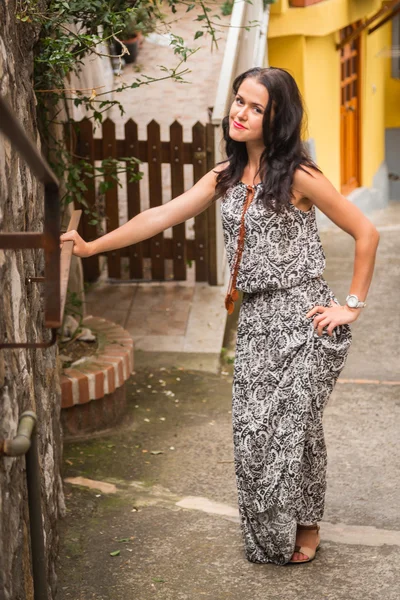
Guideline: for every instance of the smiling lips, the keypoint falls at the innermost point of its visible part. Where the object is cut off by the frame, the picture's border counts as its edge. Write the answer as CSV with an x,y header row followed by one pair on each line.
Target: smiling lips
x,y
238,125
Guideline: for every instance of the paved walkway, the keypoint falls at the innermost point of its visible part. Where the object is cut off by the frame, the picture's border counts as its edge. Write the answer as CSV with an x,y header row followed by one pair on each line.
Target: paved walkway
x,y
172,324
168,100
172,519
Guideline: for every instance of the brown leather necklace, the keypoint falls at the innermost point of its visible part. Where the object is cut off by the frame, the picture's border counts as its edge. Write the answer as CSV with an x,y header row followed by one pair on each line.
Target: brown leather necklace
x,y
232,294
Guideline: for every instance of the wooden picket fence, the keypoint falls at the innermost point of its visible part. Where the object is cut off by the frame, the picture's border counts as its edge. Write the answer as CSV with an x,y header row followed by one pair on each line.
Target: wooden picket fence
x,y
153,151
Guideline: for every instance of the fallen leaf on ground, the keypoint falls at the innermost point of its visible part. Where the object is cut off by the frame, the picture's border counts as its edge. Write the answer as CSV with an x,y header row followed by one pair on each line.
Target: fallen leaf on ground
x,y
115,553
156,452
158,579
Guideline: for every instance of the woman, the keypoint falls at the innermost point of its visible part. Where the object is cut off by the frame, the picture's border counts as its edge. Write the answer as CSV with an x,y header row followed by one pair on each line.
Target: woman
x,y
293,335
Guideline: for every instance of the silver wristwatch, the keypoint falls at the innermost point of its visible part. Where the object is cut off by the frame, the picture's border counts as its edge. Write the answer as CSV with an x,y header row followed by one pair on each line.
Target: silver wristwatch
x,y
352,301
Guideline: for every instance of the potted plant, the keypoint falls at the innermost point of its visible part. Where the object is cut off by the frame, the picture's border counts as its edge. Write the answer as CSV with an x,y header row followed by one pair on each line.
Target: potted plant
x,y
140,22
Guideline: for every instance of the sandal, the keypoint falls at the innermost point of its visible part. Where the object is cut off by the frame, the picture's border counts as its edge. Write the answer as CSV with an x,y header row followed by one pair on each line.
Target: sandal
x,y
309,552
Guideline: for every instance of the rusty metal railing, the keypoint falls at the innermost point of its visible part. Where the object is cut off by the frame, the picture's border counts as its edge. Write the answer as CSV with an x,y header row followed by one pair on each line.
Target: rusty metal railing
x,y
57,264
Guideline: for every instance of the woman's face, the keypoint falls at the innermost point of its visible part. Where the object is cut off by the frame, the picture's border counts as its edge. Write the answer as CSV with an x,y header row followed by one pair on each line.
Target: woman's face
x,y
247,111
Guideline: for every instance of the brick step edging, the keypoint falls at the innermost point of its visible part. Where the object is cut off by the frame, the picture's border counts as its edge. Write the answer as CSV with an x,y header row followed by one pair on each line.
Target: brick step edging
x,y
105,371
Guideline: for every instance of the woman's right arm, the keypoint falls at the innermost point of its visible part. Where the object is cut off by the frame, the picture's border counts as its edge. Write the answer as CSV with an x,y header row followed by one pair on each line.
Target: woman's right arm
x,y
151,221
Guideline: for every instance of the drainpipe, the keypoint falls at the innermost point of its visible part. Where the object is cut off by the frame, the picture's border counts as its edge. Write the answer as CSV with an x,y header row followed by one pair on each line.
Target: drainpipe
x,y
25,442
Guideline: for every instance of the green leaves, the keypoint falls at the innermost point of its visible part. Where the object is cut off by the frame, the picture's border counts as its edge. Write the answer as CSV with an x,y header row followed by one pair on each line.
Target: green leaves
x,y
71,30
180,49
115,553
227,7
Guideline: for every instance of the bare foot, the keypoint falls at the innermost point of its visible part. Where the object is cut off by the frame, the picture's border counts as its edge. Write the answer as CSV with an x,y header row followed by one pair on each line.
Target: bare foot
x,y
305,537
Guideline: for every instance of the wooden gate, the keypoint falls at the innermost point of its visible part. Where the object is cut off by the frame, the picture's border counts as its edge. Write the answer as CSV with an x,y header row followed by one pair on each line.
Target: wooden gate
x,y
175,152
350,112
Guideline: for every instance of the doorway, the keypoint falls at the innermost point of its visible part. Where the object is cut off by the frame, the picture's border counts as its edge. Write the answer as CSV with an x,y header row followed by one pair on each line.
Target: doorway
x,y
350,111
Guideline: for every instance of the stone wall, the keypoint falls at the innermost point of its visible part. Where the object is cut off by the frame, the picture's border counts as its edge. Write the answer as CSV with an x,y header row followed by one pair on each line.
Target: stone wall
x,y
28,379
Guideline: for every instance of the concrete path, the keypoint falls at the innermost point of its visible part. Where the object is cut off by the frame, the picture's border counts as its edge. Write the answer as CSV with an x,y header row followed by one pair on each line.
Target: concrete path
x,y
175,324
187,101
168,100
171,520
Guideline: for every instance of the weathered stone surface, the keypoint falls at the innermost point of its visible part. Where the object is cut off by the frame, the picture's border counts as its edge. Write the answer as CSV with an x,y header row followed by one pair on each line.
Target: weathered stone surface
x,y
28,379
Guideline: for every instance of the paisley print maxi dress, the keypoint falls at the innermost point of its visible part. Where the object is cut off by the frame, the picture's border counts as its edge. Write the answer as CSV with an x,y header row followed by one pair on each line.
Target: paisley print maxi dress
x,y
283,373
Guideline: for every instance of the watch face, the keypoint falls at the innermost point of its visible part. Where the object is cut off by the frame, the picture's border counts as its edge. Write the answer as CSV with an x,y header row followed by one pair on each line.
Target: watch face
x,y
352,302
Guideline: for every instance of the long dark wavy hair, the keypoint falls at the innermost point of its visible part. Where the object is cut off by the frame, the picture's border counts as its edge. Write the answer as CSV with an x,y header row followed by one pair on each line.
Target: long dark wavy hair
x,y
284,151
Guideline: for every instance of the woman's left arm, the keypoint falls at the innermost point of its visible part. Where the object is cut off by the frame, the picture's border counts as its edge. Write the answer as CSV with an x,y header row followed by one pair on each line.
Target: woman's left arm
x,y
319,190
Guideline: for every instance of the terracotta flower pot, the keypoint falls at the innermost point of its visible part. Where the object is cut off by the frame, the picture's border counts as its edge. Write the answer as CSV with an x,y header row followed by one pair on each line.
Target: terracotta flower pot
x,y
133,46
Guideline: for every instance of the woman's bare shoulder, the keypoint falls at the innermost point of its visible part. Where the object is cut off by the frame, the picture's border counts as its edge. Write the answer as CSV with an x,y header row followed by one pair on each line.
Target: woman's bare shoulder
x,y
207,184
303,173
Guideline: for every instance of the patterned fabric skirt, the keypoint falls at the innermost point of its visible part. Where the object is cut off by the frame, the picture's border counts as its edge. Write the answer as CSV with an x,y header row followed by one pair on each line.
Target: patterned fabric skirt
x,y
283,376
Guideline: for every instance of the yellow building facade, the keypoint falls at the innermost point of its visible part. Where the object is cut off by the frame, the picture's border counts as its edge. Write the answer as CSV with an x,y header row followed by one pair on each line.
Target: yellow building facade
x,y
344,72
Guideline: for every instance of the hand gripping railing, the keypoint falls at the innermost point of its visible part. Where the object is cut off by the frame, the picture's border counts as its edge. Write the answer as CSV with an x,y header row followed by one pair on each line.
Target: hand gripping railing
x,y
57,264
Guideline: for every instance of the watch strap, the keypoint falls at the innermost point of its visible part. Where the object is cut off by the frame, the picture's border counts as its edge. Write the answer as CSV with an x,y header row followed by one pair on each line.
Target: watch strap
x,y
360,304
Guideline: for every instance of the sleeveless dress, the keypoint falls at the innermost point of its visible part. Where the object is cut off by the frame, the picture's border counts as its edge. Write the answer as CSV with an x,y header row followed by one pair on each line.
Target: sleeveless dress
x,y
284,373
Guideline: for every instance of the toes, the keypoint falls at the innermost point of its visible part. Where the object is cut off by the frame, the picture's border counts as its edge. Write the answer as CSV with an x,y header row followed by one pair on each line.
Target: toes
x,y
299,556
303,556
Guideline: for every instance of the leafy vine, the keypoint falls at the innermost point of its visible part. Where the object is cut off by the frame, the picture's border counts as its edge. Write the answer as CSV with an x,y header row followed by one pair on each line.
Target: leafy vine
x,y
70,30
